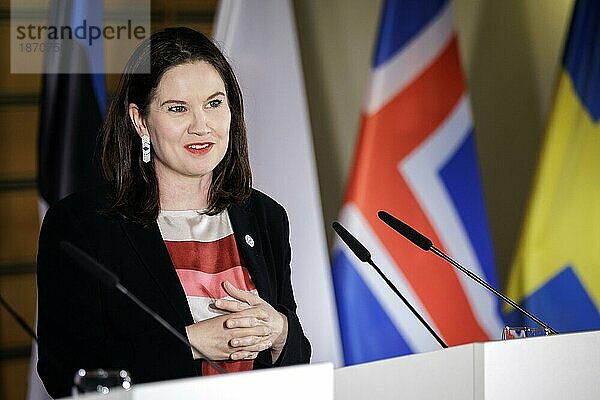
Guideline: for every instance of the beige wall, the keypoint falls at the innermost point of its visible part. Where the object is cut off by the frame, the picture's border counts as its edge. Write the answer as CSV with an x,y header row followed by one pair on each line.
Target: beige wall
x,y
511,53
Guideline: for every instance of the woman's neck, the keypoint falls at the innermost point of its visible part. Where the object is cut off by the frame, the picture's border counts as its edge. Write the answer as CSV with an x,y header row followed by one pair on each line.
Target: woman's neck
x,y
184,194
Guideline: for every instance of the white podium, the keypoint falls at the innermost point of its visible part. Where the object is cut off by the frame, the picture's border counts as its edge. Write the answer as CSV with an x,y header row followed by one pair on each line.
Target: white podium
x,y
297,383
551,367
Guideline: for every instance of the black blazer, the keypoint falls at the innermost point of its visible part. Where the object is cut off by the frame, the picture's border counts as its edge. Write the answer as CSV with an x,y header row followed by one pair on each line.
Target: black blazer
x,y
83,324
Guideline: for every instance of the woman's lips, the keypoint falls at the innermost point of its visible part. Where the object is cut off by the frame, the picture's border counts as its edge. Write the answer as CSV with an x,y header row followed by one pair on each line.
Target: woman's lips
x,y
198,148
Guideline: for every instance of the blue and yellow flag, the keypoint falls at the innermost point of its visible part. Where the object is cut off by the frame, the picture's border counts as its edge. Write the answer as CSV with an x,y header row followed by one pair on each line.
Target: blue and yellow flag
x,y
556,272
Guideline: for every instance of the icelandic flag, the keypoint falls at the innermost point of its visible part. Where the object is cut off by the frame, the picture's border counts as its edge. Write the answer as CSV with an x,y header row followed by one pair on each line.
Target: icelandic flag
x,y
556,272
416,159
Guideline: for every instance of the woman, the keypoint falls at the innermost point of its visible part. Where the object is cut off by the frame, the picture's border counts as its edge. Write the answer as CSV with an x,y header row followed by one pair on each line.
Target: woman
x,y
180,225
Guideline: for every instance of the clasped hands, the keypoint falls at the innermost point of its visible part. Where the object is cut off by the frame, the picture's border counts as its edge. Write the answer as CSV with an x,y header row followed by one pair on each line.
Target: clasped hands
x,y
251,326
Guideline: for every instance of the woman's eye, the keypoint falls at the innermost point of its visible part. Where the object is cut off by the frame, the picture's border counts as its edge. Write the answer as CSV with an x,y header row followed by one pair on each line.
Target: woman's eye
x,y
215,103
177,109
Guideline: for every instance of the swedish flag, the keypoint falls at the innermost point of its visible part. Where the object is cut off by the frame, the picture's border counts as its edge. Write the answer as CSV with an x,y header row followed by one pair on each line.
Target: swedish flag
x,y
556,272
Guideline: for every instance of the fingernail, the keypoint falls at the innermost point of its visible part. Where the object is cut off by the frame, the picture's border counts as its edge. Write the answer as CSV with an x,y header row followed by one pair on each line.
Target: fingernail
x,y
234,356
218,303
230,324
235,342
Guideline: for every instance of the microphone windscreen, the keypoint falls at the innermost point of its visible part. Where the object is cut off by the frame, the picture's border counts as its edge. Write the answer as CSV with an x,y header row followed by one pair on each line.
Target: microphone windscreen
x,y
89,264
357,248
405,230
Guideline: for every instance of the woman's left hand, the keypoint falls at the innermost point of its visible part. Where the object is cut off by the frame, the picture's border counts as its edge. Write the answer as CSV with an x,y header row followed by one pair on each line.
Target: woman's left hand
x,y
265,315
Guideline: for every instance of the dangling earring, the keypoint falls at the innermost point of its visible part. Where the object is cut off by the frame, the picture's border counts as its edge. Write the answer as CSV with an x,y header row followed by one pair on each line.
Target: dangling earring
x,y
146,148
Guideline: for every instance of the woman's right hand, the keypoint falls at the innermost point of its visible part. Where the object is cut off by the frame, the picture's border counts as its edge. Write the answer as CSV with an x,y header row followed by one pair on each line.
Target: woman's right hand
x,y
216,341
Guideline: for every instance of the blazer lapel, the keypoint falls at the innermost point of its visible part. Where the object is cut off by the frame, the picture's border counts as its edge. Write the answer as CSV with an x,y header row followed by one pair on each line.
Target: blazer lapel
x,y
248,240
151,249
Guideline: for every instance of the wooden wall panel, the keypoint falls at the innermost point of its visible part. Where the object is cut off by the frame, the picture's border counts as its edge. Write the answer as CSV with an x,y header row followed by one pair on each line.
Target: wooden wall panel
x,y
199,26
18,130
14,375
15,85
19,226
20,292
197,15
185,5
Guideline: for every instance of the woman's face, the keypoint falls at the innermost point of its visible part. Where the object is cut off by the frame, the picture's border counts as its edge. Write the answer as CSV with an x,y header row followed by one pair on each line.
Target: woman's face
x,y
188,122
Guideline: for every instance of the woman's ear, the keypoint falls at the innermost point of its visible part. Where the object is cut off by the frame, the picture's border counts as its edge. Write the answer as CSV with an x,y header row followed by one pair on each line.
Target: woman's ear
x,y
138,120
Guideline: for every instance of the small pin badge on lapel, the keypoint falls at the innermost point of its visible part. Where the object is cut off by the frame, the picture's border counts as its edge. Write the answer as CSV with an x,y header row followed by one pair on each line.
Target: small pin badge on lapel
x,y
249,240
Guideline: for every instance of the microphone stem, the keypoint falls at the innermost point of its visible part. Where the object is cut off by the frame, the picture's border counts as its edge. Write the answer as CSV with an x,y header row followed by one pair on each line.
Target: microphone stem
x,y
491,288
165,324
410,307
18,318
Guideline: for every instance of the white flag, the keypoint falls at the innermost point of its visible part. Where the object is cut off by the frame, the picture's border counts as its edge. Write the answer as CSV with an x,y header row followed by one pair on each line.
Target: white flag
x,y
259,39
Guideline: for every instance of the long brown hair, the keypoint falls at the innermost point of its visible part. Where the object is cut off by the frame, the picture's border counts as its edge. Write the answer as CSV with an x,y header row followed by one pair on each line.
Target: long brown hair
x,y
135,183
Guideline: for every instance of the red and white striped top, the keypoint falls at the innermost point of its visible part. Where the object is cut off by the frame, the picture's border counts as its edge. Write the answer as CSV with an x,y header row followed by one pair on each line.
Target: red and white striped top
x,y
203,250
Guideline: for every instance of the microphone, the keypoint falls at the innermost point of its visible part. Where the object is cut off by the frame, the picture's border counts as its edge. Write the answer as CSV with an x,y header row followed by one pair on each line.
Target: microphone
x,y
405,230
365,256
426,244
111,280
